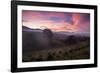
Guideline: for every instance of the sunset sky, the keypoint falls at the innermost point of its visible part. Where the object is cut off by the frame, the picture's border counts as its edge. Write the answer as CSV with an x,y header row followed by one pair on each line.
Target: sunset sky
x,y
56,21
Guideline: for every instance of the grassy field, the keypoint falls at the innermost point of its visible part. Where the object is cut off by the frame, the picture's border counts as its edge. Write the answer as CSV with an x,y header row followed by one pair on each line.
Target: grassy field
x,y
64,51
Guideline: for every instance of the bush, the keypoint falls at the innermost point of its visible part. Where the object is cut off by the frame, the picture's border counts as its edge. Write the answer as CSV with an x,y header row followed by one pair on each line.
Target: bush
x,y
50,57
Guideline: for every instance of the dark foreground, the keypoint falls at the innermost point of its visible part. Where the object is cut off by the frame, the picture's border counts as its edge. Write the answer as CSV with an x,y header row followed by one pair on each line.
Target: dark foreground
x,y
37,47
74,52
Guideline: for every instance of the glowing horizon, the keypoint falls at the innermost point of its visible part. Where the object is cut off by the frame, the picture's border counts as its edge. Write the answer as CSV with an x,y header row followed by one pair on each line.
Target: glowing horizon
x,y
56,21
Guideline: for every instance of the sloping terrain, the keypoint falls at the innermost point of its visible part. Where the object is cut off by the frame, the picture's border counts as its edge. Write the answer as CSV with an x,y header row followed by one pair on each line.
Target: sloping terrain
x,y
45,45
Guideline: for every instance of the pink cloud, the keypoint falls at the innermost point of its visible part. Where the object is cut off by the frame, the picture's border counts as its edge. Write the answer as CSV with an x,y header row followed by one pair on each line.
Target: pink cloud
x,y
36,19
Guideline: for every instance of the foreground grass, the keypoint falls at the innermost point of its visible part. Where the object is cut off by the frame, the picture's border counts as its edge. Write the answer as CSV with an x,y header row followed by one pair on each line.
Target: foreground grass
x,y
71,52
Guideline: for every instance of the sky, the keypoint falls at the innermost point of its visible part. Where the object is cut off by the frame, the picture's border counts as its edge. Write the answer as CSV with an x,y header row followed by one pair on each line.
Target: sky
x,y
56,21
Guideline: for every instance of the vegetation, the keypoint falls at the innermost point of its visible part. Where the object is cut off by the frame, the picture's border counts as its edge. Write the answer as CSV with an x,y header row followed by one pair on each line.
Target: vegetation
x,y
80,50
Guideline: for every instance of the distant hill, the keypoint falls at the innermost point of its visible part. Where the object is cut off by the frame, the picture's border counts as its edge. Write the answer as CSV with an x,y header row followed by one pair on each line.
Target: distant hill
x,y
75,33
65,33
24,28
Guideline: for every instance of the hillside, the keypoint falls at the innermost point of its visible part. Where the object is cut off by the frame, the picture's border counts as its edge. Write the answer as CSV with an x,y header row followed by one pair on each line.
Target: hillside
x,y
45,43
